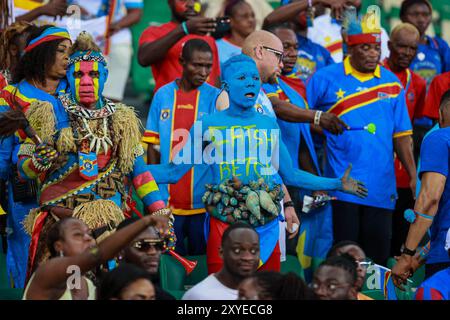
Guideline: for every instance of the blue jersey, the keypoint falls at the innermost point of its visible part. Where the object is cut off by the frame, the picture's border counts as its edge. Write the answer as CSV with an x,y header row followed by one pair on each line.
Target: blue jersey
x,y
172,114
226,50
435,157
431,59
360,99
437,287
311,57
291,132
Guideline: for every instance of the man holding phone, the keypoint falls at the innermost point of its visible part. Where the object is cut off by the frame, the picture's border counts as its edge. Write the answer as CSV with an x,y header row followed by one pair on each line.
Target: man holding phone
x,y
160,47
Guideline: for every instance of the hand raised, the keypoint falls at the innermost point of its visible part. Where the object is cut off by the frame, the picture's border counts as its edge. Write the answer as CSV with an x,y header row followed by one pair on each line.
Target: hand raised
x,y
352,186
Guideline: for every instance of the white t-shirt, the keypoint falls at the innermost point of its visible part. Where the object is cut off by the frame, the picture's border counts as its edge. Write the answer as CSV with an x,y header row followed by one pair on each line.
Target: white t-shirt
x,y
328,34
93,7
210,289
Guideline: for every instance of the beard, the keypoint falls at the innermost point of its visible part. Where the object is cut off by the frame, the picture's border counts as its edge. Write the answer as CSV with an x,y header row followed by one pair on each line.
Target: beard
x,y
272,79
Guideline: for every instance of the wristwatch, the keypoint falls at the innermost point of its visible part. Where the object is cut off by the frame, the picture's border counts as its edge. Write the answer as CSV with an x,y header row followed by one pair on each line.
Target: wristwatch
x,y
289,204
405,250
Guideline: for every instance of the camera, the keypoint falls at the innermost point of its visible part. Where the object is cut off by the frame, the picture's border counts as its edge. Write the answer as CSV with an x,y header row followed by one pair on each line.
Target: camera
x,y
222,28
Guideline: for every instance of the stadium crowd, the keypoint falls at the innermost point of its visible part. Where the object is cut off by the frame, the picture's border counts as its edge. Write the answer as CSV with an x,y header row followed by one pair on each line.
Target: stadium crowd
x,y
295,150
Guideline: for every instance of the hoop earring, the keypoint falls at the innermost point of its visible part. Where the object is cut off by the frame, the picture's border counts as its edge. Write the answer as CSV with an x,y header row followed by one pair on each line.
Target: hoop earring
x,y
61,253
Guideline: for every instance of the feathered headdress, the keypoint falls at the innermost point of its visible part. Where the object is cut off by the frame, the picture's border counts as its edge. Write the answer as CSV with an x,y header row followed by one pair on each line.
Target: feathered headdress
x,y
365,29
85,49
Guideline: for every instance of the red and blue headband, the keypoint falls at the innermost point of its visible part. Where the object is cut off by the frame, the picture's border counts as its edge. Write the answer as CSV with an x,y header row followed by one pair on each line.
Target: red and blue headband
x,y
50,34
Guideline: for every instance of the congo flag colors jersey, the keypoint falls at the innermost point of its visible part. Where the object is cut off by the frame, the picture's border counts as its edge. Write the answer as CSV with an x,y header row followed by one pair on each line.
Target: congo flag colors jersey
x,y
359,99
174,111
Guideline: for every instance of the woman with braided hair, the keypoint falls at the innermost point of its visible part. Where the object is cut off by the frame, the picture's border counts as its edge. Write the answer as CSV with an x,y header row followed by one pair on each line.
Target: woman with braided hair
x,y
73,249
38,75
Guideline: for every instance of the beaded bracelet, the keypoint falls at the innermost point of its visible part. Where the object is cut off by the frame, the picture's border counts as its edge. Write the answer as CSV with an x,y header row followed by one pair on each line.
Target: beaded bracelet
x,y
39,166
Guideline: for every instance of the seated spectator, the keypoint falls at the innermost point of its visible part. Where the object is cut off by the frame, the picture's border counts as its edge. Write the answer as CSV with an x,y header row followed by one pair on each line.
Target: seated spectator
x,y
160,47
335,279
240,253
71,245
242,23
354,250
126,282
437,287
145,252
269,285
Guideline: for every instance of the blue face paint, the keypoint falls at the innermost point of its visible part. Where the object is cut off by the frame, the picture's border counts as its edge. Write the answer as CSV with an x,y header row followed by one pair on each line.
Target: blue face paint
x,y
243,83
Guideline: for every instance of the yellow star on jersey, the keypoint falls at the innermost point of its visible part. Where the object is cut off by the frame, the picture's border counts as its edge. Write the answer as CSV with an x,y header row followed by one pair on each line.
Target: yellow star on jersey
x,y
340,93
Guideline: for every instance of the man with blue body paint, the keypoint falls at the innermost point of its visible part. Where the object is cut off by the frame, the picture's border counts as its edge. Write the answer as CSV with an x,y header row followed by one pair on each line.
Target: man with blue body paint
x,y
240,142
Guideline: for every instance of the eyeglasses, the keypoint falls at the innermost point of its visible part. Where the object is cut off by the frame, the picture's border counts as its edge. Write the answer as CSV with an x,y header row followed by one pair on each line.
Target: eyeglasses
x,y
144,245
330,287
278,54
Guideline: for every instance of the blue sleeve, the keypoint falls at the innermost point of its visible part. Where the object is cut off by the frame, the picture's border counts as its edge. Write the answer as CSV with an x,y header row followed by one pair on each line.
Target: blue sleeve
x,y
444,52
402,123
134,4
162,173
6,148
151,133
434,153
314,91
299,178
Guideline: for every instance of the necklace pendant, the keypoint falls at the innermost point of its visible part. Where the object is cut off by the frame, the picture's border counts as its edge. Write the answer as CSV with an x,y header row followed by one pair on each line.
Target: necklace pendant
x,y
84,147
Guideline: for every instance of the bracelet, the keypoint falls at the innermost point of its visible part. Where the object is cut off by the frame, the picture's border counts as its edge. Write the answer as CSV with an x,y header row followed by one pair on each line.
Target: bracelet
x,y
166,212
38,166
26,149
185,29
317,116
289,204
410,215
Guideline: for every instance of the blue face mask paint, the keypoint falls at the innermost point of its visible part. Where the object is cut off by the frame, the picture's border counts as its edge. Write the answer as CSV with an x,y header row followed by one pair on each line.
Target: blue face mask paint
x,y
242,82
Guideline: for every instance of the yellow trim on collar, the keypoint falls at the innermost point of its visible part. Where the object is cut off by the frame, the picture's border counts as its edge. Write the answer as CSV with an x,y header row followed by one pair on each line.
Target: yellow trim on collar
x,y
363,77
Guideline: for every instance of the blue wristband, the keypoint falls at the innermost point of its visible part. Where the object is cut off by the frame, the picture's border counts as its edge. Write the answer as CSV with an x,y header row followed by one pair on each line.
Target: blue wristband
x,y
184,26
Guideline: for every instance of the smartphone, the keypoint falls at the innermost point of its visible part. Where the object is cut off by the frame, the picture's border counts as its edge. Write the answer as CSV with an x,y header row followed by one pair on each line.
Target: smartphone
x,y
222,28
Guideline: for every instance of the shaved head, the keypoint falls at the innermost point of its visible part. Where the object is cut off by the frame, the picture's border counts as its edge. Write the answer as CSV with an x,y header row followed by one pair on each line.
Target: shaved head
x,y
267,51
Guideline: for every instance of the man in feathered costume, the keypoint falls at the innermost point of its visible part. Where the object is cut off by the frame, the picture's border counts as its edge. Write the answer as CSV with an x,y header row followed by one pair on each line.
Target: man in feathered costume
x,y
90,155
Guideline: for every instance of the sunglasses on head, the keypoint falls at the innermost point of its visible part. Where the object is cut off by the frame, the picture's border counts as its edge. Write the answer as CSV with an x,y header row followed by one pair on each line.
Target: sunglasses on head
x,y
278,54
145,244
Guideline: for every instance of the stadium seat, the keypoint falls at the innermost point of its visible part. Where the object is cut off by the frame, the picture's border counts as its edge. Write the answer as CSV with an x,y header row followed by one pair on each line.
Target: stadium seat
x,y
172,273
4,282
173,276
11,294
199,273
